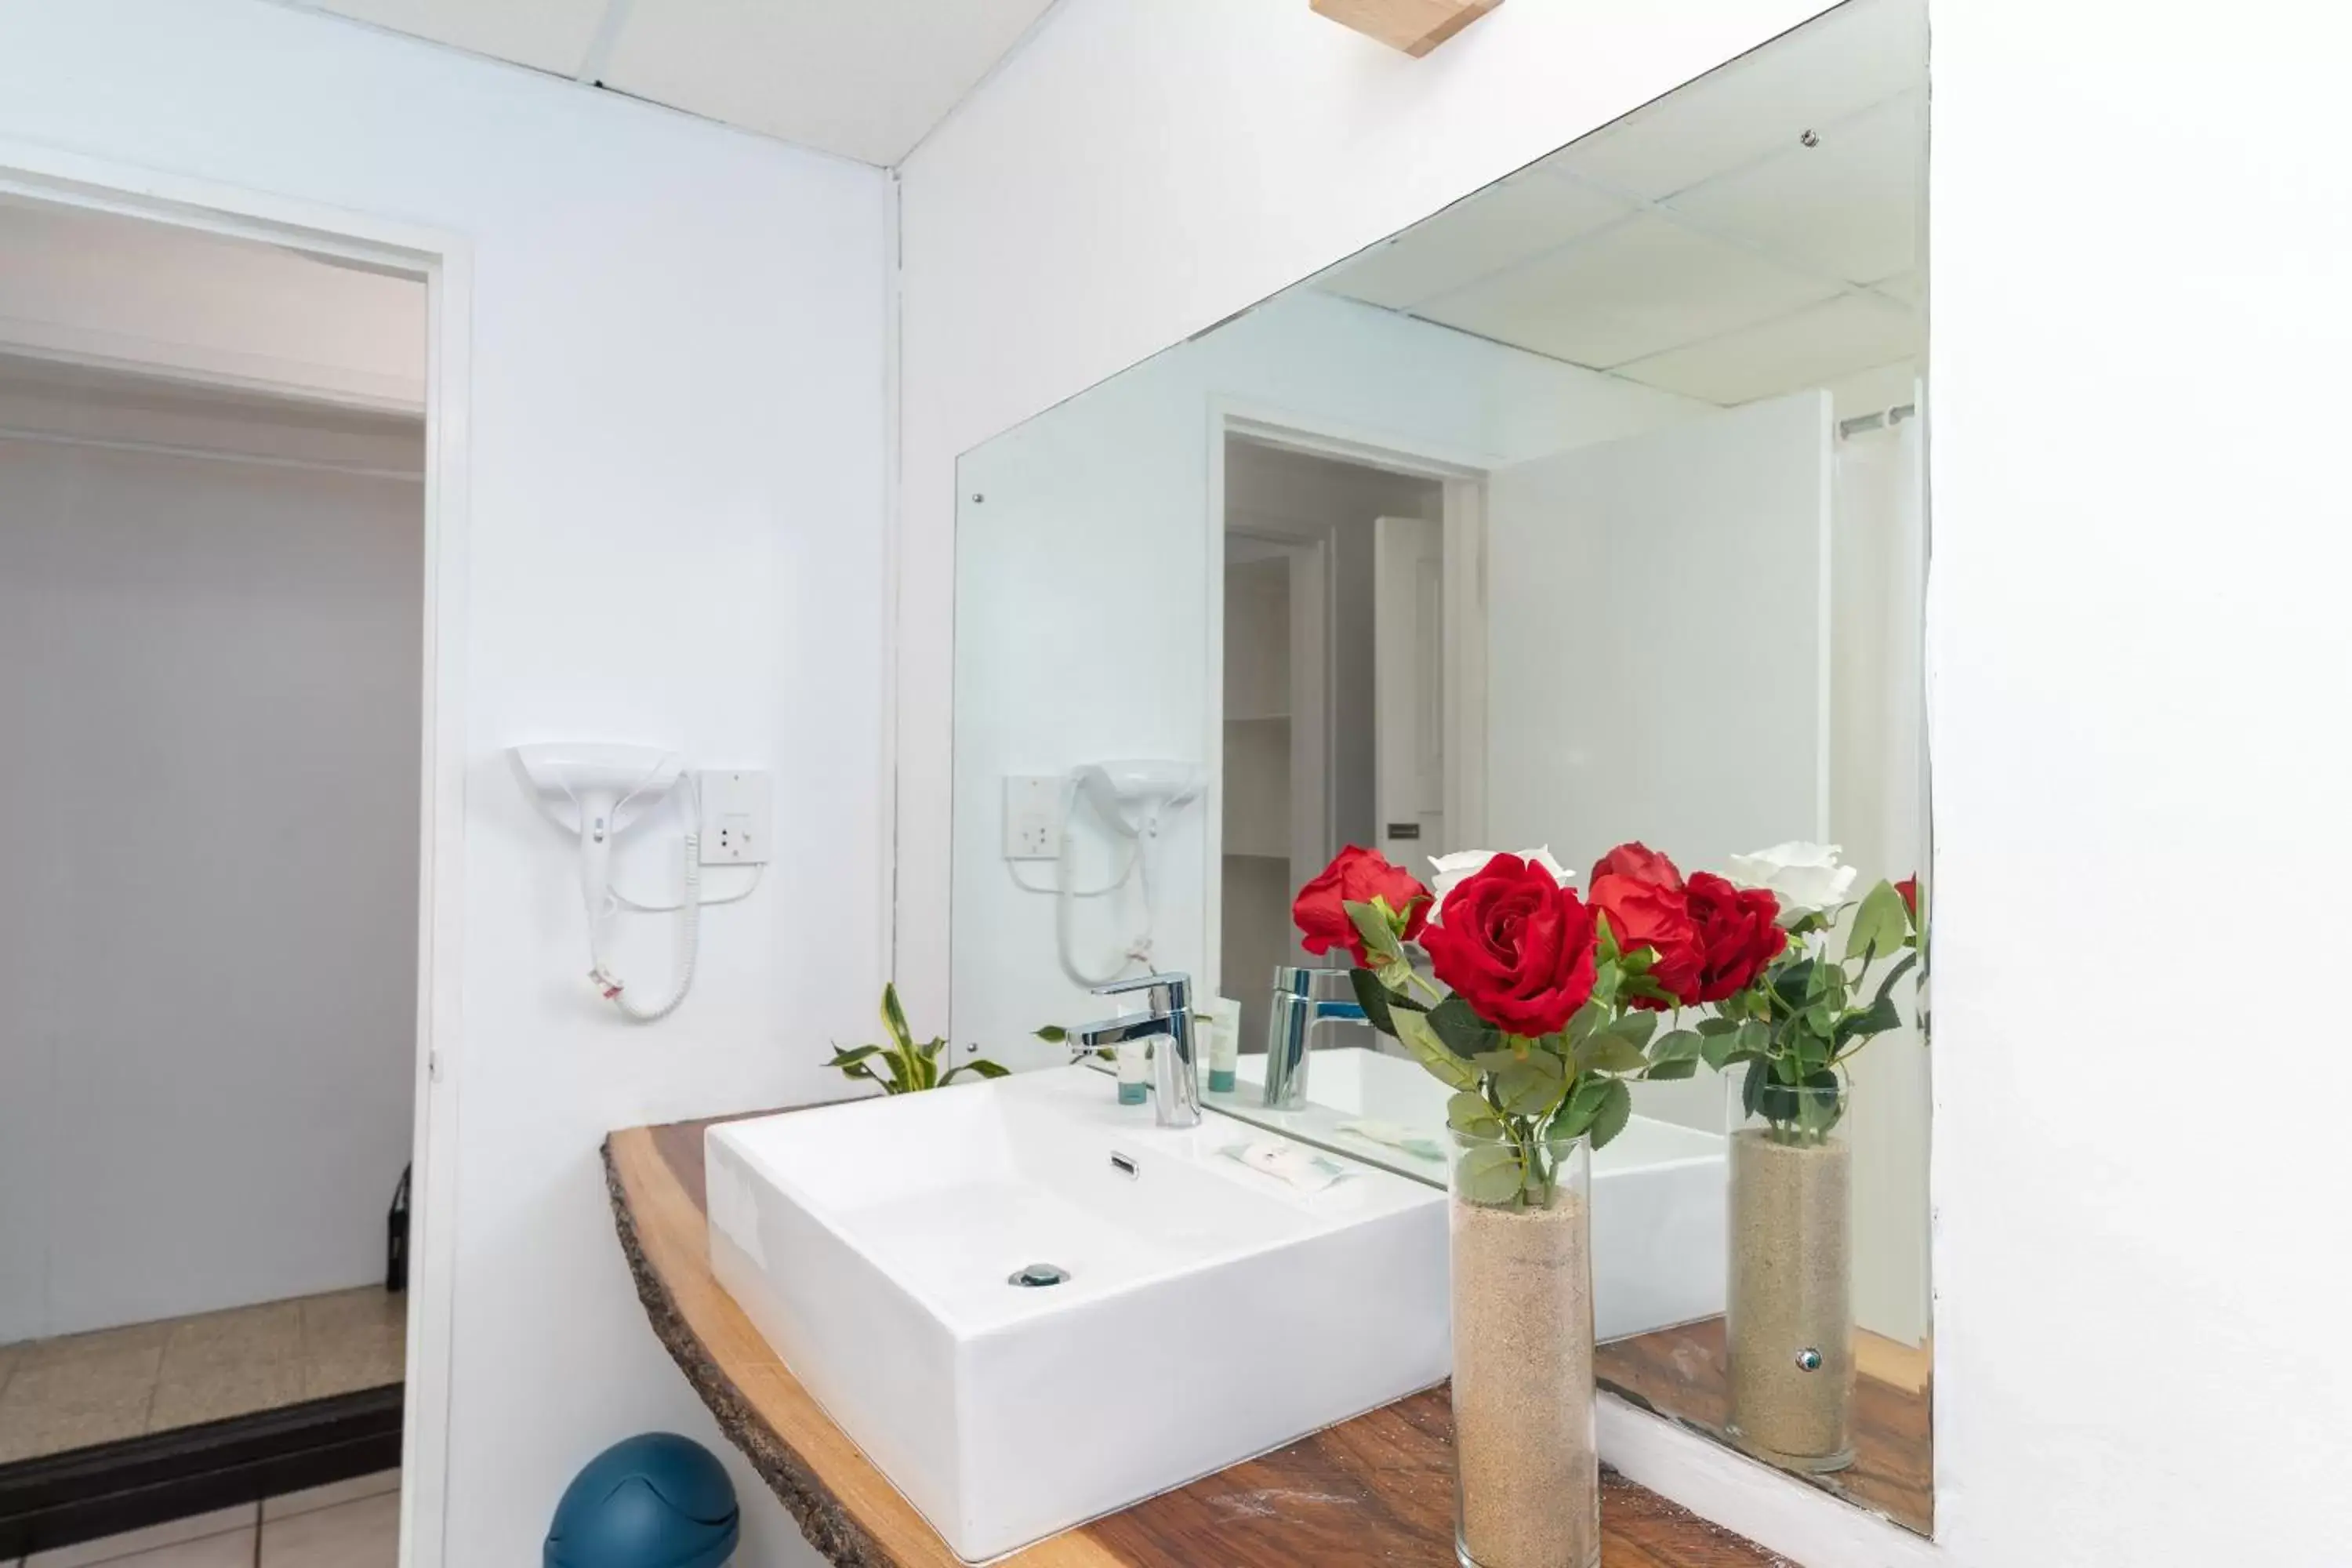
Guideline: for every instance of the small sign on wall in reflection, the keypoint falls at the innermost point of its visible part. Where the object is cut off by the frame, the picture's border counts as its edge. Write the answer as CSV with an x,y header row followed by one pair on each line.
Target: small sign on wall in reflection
x,y
1416,27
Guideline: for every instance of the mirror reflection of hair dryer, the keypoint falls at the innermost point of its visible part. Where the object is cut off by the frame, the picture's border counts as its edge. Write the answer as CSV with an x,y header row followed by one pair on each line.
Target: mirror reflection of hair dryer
x,y
1132,801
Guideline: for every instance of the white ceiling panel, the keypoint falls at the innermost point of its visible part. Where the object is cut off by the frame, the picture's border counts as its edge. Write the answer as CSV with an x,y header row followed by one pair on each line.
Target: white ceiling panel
x,y
1810,348
1499,227
1849,205
1642,286
1860,54
547,35
863,77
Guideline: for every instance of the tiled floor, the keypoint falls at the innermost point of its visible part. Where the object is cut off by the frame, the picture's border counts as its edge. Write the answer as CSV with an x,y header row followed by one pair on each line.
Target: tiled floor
x,y
69,1393
351,1524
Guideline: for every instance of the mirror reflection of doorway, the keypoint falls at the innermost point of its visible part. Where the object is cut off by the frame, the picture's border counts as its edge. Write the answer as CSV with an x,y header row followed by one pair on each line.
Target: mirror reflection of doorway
x,y
1333,710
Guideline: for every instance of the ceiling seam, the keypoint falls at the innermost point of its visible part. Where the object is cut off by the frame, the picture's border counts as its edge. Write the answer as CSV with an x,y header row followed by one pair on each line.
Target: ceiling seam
x,y
1662,207
600,45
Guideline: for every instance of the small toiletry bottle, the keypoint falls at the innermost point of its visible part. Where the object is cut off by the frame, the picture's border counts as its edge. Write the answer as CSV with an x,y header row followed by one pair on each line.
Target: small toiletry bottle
x,y
1221,1023
1134,1074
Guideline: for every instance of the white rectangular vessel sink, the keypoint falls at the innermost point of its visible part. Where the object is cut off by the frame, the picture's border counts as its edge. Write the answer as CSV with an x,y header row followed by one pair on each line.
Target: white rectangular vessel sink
x,y
1658,1213
1204,1310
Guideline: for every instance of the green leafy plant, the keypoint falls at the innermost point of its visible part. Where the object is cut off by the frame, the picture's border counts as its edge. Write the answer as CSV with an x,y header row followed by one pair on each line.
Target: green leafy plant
x,y
908,1067
1795,1029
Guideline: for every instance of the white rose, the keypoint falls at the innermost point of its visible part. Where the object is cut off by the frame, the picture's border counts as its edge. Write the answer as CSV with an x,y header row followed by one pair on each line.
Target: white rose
x,y
1805,877
1458,867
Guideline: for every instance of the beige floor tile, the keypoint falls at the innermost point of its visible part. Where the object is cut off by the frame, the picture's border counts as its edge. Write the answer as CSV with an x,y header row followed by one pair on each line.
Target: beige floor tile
x,y
330,1494
113,1549
234,1550
229,1363
96,1392
130,1339
8,1357
363,1534
353,1340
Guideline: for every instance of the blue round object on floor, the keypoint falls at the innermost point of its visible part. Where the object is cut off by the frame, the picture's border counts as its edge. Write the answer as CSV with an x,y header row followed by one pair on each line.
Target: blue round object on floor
x,y
655,1502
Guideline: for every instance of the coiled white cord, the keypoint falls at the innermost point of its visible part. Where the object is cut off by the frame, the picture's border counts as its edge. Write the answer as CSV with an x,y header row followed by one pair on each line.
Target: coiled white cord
x,y
690,926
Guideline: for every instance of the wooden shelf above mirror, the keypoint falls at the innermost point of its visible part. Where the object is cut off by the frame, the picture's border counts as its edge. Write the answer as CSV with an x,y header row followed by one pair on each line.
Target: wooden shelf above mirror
x,y
1416,27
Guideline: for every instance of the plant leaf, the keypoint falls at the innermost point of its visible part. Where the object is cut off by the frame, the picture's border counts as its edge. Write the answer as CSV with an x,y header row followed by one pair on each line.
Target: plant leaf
x,y
1902,967
1677,1046
1416,1035
1468,1113
1664,1072
1378,1003
1880,926
1491,1176
894,1017
1635,1028
1053,1035
1465,1033
1616,1109
1609,1051
1380,937
842,1059
1530,1088
981,1065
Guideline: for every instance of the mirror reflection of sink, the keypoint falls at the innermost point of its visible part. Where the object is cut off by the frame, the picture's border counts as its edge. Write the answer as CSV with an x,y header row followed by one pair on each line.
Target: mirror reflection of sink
x,y
1181,1312
1657,1189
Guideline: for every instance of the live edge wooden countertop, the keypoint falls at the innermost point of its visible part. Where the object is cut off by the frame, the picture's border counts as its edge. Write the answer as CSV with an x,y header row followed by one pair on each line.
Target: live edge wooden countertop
x,y
1376,1489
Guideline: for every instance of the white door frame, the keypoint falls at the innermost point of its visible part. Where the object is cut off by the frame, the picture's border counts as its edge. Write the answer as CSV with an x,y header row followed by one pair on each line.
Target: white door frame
x,y
445,263
1462,473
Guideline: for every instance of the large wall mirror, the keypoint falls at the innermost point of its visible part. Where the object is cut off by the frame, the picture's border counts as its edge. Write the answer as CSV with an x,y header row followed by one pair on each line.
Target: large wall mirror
x,y
1592,509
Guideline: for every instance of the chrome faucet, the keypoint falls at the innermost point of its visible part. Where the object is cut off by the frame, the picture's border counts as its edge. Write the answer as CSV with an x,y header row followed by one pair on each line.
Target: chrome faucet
x,y
1304,999
1175,1079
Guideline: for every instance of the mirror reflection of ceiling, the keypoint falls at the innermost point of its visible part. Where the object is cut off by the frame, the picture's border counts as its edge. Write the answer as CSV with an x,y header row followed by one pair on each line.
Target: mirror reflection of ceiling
x,y
1756,232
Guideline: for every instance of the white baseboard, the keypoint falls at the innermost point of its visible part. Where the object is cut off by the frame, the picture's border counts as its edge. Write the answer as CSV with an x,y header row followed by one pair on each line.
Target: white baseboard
x,y
1807,1526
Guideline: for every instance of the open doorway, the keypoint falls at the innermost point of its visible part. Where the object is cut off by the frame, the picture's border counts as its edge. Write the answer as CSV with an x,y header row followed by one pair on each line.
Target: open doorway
x,y
212,613
1333,715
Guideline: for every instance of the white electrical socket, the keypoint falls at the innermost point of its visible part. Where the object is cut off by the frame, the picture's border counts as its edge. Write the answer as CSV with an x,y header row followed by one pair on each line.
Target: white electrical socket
x,y
738,816
1032,816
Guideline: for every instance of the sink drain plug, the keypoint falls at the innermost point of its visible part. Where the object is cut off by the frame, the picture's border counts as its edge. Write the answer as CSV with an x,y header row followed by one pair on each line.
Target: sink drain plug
x,y
1038,1276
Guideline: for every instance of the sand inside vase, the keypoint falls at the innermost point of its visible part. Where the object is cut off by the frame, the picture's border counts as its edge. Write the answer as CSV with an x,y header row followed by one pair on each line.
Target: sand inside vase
x,y
1792,1244
1523,1428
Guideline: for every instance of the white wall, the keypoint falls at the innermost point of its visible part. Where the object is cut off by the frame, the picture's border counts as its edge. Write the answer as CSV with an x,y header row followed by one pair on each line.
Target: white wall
x,y
678,456
2138,640
2141,665
1084,626
208,945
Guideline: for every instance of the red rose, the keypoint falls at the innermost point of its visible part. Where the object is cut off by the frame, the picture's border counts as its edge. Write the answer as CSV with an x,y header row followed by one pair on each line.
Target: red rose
x,y
1655,915
1640,862
1517,946
1356,876
1909,888
1738,931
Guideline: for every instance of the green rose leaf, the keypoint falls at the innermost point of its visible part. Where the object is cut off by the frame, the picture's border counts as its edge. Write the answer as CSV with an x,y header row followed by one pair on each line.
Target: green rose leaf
x,y
1468,1113
1880,926
1417,1038
1381,943
1379,1001
1664,1072
1491,1176
1677,1046
1465,1033
1530,1088
1616,1109
1610,1052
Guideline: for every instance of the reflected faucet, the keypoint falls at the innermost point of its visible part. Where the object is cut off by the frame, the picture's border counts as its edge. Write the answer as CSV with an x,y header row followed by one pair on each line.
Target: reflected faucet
x,y
1167,1019
1304,999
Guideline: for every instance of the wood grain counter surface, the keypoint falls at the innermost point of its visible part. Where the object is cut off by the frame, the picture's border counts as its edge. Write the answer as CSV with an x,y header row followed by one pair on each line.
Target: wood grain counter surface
x,y
1378,1490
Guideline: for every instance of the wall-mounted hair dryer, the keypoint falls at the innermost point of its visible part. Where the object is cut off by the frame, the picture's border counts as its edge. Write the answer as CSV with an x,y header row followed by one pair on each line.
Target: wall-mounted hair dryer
x,y
593,790
1133,798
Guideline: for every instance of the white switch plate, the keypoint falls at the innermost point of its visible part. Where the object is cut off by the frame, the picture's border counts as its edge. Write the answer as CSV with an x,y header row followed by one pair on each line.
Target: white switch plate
x,y
738,816
1032,816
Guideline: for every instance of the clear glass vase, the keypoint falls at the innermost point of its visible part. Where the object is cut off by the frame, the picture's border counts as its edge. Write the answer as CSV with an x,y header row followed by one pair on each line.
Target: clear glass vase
x,y
1526,1464
1788,1315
